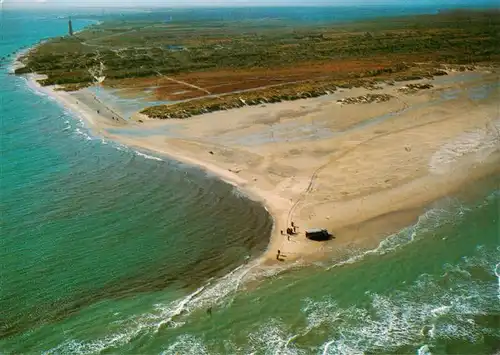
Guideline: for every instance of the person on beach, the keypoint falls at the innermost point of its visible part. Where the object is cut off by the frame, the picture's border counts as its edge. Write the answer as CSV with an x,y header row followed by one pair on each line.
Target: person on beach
x,y
278,255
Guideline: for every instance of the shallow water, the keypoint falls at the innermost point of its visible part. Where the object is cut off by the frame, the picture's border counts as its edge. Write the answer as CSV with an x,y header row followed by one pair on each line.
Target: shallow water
x,y
126,107
85,220
108,250
433,286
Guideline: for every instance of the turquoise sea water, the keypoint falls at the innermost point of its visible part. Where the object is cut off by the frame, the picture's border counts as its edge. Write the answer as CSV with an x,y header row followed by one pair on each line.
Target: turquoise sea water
x,y
84,219
108,250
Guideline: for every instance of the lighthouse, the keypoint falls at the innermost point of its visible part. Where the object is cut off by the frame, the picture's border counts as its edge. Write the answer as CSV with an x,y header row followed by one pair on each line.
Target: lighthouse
x,y
70,27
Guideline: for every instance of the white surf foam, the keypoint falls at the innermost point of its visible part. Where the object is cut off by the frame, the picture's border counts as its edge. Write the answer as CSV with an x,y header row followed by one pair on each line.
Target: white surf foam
x,y
163,316
82,133
447,210
130,329
187,344
424,350
273,338
146,156
430,310
236,191
497,274
177,309
427,311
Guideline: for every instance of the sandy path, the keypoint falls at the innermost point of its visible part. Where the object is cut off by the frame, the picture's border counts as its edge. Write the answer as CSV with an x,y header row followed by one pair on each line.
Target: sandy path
x,y
185,84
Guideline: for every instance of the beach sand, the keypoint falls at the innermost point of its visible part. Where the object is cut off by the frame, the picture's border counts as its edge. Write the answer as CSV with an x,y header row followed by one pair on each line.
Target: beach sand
x,y
363,171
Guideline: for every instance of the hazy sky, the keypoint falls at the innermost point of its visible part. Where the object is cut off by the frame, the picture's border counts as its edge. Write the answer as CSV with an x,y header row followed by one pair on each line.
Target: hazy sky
x,y
184,3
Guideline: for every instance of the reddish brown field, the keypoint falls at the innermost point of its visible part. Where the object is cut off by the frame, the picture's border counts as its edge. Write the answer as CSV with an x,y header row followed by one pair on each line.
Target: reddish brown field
x,y
228,80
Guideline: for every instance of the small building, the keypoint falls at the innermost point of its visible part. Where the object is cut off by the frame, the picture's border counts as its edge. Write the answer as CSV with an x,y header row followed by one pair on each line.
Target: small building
x,y
318,234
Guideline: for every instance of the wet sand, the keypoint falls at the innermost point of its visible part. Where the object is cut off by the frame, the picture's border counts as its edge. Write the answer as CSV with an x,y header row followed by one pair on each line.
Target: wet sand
x,y
83,103
362,171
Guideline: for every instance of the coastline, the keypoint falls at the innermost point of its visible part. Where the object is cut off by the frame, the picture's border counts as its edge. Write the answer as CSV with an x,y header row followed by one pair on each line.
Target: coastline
x,y
121,237
357,226
97,122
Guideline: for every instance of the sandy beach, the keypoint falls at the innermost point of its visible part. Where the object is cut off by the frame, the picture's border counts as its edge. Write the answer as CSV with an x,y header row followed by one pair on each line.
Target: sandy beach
x,y
363,171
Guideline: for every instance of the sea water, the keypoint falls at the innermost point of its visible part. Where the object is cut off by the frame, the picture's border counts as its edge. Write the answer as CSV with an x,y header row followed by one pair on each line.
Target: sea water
x,y
108,249
86,220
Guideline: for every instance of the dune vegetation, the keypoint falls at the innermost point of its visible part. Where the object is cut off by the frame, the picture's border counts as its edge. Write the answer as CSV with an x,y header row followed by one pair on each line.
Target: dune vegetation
x,y
212,65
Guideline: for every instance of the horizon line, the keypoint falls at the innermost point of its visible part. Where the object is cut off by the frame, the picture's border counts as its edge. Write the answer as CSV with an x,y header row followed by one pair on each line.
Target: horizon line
x,y
476,4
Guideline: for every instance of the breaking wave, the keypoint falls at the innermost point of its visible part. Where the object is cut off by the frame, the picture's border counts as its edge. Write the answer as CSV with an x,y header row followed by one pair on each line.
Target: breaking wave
x,y
146,156
433,309
447,210
187,344
163,316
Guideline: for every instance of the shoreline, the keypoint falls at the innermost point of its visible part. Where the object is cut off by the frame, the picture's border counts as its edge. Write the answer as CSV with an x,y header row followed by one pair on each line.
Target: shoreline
x,y
376,226
128,235
362,231
88,116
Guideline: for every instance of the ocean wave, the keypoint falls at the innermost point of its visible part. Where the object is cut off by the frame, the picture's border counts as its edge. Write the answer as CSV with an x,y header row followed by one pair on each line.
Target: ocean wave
x,y
236,191
81,129
273,338
163,316
80,132
427,311
187,344
125,148
42,92
447,210
497,274
424,313
146,156
37,90
424,350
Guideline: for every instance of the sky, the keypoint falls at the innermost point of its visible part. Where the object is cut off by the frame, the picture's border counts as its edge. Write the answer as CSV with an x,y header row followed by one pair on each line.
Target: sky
x,y
209,3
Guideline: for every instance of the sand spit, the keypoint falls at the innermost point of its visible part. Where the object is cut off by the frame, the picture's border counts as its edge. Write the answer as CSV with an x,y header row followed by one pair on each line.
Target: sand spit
x,y
82,103
362,171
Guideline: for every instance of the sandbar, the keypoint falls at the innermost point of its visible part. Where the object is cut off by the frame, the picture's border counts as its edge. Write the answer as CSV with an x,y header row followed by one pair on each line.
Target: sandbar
x,y
362,171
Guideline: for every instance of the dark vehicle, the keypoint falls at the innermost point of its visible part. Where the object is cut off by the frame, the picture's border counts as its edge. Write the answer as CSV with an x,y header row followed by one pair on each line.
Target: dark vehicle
x,y
318,234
